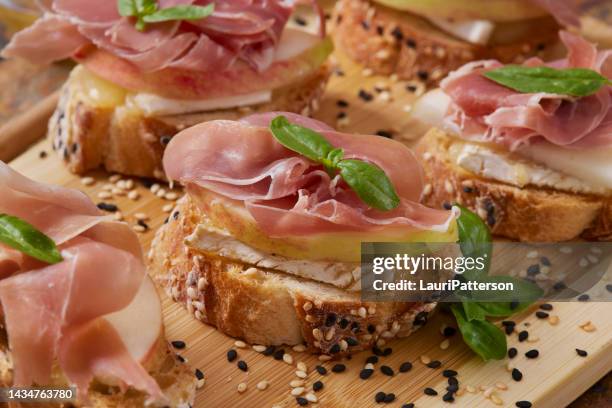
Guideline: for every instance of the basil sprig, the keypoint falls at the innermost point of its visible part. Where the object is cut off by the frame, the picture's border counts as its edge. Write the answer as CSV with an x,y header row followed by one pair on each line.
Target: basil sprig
x,y
147,11
483,337
576,82
368,181
22,236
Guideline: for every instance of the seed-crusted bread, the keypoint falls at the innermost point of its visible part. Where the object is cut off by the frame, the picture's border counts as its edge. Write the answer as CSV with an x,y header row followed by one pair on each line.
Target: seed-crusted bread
x,y
175,378
267,307
529,213
122,139
389,42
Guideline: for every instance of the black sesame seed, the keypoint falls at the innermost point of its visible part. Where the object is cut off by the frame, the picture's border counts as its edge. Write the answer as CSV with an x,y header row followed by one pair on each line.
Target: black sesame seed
x,y
341,115
559,286
581,353
522,336
430,391
411,43
449,373
508,323
371,328
164,140
468,190
420,319
609,287
583,298
386,370
372,360
180,358
176,214
269,351
142,224
532,353
344,323
423,75
335,349
448,397
380,30
397,34
242,365
365,96
512,352
434,364
342,103
231,355
42,154
546,306
452,382
389,398
321,370
301,401
278,354
380,397
300,21
449,331
409,405
541,315
199,374
351,341
387,352
411,88
516,374
339,368
491,219
545,261
178,344
405,367
447,206
384,133
533,270
318,386
331,319
523,404
355,327
509,330
108,207
366,373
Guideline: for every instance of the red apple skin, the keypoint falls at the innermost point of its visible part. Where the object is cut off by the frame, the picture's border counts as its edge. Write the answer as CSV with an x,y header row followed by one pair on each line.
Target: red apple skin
x,y
184,84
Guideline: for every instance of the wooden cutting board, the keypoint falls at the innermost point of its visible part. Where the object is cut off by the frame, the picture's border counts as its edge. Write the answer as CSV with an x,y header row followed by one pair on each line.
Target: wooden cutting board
x,y
554,379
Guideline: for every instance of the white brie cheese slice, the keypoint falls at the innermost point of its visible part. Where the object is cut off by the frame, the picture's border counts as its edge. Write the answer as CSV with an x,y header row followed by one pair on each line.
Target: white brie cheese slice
x,y
472,31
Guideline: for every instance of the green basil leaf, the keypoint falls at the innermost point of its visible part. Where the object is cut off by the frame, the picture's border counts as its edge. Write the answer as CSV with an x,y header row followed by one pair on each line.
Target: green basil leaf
x,y
571,81
24,237
335,156
474,240
473,311
370,183
145,7
126,8
301,140
483,337
183,12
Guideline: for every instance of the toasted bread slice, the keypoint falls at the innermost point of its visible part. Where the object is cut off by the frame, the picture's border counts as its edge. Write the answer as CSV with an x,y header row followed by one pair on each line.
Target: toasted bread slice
x,y
530,213
175,378
267,307
389,42
122,139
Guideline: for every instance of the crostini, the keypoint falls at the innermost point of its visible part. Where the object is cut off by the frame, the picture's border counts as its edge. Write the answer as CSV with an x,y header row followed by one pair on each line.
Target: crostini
x,y
527,147
78,309
425,40
148,69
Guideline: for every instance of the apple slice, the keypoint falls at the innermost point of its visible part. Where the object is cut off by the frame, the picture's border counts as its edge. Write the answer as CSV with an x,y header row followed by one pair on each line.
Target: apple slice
x,y
230,216
140,324
299,54
493,10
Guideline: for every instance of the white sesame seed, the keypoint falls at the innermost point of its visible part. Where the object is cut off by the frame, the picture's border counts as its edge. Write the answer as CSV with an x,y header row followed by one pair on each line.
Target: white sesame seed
x,y
310,318
105,195
129,184
330,333
343,345
118,192
301,366
114,178
566,250
425,359
387,334
88,181
118,216
380,342
259,348
160,193
311,397
141,216
200,383
301,374
372,310
470,388
588,327
201,284
488,392
296,383
297,391
592,259
407,108
427,156
532,254
383,54
171,196
496,400
583,263
368,366
533,339
198,315
300,348
288,358
262,385
307,306
240,344
501,386
167,208
367,72
445,344
242,387
596,250
133,195
316,333
553,320
324,358
427,189
155,188
139,228
362,312
199,305
448,187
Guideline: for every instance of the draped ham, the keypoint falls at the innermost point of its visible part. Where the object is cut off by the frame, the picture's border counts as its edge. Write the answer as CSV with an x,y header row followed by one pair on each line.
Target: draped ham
x,y
484,110
567,12
286,193
245,31
49,309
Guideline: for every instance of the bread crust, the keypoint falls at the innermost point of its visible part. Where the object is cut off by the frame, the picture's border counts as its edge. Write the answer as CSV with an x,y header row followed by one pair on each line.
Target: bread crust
x,y
394,42
267,307
527,214
124,140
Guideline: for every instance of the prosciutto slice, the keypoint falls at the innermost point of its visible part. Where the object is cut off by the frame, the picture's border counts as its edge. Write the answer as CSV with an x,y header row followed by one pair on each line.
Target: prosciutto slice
x,y
567,12
286,193
483,110
246,31
49,309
